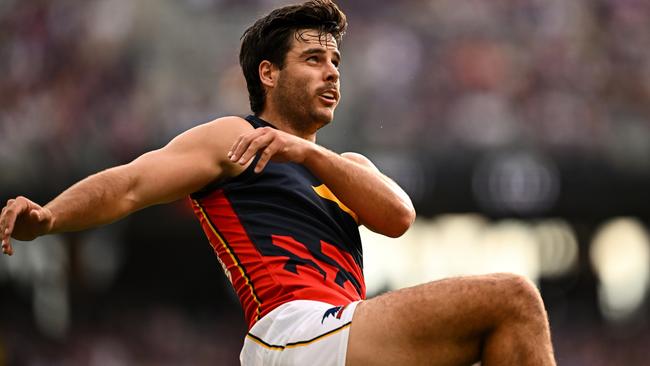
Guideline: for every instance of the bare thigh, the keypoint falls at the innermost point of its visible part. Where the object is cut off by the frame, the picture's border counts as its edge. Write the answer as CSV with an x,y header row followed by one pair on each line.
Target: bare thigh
x,y
437,323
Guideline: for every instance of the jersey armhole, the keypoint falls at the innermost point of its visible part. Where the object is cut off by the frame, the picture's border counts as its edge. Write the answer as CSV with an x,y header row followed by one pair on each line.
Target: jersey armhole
x,y
256,122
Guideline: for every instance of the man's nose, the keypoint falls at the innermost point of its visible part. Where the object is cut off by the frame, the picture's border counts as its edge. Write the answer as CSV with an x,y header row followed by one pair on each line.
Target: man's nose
x,y
332,73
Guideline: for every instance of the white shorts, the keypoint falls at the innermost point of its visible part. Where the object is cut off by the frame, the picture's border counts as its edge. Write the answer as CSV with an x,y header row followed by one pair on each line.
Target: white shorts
x,y
300,332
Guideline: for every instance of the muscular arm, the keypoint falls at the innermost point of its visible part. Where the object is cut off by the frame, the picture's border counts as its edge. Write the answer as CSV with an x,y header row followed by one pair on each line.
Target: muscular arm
x,y
382,206
185,165
156,177
380,203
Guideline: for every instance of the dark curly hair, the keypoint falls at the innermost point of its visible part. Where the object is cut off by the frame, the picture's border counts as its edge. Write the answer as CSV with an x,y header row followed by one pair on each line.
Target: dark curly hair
x,y
270,39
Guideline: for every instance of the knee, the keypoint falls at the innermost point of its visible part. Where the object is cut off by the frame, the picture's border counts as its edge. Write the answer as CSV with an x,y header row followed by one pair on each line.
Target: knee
x,y
521,295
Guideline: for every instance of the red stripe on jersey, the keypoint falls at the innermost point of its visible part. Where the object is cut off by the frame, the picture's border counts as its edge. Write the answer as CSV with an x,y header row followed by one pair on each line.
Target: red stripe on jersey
x,y
233,255
263,282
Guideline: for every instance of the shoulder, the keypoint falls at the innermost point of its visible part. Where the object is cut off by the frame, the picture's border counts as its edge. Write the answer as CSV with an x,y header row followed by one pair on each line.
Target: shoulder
x,y
211,141
358,158
219,133
225,126
230,122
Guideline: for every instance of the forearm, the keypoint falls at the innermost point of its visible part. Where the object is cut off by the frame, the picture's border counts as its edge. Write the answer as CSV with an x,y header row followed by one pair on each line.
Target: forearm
x,y
99,199
378,201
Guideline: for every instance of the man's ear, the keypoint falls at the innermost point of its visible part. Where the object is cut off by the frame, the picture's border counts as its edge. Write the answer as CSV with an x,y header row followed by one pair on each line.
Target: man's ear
x,y
268,73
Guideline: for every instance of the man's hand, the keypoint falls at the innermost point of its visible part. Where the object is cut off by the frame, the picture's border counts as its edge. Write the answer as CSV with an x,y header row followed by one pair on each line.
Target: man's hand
x,y
272,144
24,220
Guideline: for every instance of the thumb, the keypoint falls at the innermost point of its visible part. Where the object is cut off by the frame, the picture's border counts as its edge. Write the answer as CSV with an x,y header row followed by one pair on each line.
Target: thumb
x,y
36,214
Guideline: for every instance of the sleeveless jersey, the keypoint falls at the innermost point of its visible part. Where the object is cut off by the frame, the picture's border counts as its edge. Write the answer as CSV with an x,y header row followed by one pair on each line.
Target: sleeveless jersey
x,y
282,235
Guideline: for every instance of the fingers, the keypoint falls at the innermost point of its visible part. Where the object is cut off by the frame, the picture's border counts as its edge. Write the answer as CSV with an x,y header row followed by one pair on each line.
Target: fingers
x,y
248,145
271,144
7,219
5,234
7,248
18,208
36,215
267,154
14,209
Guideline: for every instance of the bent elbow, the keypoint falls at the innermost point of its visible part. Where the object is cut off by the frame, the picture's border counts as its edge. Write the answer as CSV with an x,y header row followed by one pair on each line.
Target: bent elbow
x,y
402,222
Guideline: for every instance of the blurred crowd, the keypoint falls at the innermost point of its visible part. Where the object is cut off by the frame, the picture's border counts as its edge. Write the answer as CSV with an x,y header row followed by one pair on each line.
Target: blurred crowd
x,y
89,84
155,335
570,77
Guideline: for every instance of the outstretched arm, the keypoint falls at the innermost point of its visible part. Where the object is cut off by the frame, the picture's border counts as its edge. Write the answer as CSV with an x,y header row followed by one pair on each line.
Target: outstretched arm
x,y
380,203
185,165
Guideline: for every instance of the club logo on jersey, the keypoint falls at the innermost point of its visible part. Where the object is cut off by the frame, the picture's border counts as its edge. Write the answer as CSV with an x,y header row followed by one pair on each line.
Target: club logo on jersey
x,y
336,312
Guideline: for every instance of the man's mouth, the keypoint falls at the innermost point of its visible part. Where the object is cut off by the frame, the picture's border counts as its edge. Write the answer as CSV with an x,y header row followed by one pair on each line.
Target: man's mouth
x,y
330,95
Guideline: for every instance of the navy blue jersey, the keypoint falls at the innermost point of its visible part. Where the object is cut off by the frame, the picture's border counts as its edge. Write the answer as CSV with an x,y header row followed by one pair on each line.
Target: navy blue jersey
x,y
282,235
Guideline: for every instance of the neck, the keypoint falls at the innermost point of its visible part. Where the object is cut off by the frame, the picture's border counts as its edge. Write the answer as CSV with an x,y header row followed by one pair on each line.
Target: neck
x,y
286,124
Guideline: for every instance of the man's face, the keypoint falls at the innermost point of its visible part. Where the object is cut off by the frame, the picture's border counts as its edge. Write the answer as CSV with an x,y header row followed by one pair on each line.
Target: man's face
x,y
307,90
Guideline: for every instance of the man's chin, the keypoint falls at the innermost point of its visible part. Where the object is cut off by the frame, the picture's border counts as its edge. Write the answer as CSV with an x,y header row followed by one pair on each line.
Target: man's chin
x,y
324,117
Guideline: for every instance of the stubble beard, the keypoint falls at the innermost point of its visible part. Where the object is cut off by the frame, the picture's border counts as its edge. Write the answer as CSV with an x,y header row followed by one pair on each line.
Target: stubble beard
x,y
295,102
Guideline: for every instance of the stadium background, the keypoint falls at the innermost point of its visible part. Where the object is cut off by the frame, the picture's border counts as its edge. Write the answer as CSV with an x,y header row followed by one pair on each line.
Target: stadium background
x,y
521,129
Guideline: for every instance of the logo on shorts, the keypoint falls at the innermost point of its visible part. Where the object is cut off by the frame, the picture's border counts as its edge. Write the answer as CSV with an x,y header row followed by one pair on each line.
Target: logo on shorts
x,y
336,312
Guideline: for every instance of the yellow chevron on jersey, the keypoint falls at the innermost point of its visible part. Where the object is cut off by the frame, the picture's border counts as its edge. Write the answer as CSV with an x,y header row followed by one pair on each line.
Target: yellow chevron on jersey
x,y
325,193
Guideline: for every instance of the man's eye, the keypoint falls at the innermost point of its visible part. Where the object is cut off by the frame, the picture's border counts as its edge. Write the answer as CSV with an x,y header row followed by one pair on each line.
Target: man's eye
x,y
312,59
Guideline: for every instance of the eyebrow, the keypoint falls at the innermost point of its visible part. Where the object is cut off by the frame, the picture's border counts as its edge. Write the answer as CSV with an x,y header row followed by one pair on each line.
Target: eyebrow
x,y
317,50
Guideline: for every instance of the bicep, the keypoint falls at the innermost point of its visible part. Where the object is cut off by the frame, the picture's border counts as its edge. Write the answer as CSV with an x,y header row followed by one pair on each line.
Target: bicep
x,y
168,174
188,163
